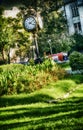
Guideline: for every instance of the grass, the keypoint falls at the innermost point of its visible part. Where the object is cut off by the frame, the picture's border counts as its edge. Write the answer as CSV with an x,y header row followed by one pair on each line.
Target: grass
x,y
65,65
33,112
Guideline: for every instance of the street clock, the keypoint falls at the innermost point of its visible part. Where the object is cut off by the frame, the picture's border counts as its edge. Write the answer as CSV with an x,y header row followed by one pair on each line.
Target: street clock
x,y
33,23
30,23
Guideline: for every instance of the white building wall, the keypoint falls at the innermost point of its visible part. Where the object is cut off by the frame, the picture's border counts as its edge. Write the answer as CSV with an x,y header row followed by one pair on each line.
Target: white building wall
x,y
81,17
69,19
11,13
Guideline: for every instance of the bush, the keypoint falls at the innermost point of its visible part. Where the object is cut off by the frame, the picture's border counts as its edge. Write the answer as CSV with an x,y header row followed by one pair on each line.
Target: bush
x,y
2,62
76,60
17,78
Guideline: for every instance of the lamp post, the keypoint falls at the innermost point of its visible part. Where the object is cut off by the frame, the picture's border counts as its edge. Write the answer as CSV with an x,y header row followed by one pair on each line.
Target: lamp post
x,y
49,41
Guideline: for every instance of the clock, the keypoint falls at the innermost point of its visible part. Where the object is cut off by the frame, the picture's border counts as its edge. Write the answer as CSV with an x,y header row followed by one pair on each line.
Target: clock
x,y
30,23
40,22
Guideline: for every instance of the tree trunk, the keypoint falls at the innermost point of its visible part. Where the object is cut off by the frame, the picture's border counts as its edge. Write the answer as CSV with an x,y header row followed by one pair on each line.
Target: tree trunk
x,y
2,52
9,55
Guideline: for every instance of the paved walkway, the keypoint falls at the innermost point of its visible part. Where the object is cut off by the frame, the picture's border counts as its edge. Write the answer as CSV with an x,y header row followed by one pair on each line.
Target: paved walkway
x,y
69,71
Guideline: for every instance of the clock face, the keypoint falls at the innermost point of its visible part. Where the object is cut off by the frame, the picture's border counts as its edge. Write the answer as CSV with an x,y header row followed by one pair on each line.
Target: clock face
x,y
30,23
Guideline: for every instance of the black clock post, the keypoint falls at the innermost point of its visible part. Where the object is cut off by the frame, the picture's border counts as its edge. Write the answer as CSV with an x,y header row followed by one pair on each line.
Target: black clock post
x,y
36,45
31,24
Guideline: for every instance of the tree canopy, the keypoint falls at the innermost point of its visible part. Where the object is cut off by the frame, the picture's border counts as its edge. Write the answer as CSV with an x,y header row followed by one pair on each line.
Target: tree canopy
x,y
53,38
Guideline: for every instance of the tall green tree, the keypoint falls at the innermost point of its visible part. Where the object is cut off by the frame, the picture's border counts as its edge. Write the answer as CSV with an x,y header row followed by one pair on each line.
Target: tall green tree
x,y
23,40
54,34
77,42
13,35
6,36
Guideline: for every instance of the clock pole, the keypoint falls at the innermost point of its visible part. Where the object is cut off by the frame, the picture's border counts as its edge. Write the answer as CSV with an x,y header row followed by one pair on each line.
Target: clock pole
x,y
31,24
35,34
36,45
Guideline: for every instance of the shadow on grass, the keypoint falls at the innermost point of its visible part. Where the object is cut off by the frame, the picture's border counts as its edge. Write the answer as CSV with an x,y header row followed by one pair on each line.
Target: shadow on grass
x,y
25,99
63,115
78,78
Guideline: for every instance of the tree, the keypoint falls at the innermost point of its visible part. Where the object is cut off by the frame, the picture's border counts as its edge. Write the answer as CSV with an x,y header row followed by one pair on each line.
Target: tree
x,y
54,33
1,21
12,34
6,36
22,37
77,42
52,36
44,5
76,60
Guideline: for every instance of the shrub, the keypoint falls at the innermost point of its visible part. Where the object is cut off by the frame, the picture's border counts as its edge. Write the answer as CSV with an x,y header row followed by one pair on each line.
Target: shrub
x,y
17,78
76,60
2,62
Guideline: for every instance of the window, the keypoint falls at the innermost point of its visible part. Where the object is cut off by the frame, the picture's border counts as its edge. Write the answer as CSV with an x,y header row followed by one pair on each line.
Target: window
x,y
74,9
77,27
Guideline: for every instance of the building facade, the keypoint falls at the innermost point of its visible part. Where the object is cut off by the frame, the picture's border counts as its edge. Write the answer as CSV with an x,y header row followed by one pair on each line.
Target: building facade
x,y
74,15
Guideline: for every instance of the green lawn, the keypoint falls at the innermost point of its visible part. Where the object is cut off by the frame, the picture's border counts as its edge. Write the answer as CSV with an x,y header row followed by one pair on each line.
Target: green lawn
x,y
35,112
